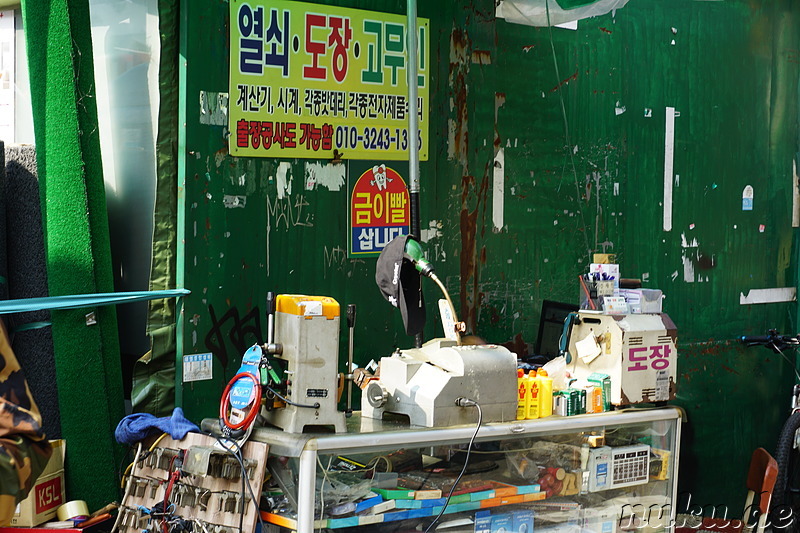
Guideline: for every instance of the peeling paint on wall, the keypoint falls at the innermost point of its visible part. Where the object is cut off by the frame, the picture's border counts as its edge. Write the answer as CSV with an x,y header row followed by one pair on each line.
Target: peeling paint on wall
x,y
451,139
688,269
330,175
498,190
284,179
669,155
481,57
434,231
689,257
765,296
231,201
213,108
458,124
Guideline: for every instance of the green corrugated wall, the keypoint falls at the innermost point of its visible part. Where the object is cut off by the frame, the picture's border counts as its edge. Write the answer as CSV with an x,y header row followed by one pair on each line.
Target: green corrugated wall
x,y
584,153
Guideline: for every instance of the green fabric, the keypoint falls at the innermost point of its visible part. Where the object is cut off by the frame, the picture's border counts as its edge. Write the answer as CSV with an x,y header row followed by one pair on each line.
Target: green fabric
x,y
154,373
76,234
154,376
162,272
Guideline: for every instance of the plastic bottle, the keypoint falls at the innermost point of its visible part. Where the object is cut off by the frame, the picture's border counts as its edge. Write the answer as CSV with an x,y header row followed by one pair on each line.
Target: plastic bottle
x,y
545,383
533,395
523,388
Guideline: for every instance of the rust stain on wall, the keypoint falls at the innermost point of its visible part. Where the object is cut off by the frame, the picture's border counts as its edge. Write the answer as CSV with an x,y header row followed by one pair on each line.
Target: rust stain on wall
x,y
468,255
565,81
499,100
482,57
472,192
460,59
459,68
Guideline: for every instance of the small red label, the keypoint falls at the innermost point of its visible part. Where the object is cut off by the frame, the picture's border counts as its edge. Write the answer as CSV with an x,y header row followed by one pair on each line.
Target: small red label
x,y
48,495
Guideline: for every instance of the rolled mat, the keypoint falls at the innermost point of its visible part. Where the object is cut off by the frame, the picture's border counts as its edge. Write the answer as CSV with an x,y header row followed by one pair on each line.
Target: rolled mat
x,y
31,335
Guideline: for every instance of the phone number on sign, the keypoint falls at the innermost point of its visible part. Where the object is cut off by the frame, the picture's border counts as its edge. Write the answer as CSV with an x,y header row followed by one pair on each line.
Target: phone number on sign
x,y
374,138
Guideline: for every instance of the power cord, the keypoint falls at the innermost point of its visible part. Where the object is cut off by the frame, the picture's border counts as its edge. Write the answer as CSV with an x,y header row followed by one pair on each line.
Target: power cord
x,y
315,405
461,402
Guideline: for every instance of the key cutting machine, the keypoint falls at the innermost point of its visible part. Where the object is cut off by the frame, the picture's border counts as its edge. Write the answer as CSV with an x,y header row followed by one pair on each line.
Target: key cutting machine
x,y
308,330
297,376
424,383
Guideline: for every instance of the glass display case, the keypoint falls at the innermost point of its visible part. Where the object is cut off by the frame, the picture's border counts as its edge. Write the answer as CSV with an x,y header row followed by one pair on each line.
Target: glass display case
x,y
603,472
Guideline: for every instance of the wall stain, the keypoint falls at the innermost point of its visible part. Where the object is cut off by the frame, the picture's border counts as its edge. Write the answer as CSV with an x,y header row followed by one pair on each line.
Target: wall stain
x,y
705,261
499,101
565,81
517,346
459,68
481,57
471,190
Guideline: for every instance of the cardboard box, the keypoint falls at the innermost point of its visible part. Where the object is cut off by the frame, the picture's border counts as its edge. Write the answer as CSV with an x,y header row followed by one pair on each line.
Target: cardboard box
x,y
605,271
47,494
604,258
97,527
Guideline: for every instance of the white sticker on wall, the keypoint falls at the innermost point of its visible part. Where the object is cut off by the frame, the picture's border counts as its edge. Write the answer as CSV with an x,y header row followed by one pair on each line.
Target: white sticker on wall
x,y
747,198
197,367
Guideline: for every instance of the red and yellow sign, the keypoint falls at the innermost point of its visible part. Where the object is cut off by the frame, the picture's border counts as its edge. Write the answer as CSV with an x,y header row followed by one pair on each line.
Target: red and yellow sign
x,y
379,210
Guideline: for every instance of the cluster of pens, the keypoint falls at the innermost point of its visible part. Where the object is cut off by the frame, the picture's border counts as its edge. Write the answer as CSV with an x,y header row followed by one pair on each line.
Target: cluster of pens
x,y
601,281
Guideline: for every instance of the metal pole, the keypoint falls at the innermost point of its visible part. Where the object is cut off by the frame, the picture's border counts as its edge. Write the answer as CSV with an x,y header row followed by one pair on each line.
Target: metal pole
x,y
306,488
412,35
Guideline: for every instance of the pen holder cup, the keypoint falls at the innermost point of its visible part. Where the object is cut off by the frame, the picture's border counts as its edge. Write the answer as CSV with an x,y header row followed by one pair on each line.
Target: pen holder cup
x,y
592,293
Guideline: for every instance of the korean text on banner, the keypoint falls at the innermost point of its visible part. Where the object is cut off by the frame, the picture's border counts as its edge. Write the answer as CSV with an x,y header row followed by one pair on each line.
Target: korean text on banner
x,y
308,79
379,210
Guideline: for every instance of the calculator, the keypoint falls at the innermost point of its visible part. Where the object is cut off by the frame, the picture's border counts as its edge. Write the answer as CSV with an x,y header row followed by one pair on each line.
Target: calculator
x,y
630,465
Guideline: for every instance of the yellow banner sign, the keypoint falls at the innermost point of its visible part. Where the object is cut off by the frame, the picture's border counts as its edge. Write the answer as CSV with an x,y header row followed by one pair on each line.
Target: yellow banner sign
x,y
307,80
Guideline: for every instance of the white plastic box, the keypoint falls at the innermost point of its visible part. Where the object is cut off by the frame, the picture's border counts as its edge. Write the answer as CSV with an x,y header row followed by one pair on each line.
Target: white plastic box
x,y
643,300
638,352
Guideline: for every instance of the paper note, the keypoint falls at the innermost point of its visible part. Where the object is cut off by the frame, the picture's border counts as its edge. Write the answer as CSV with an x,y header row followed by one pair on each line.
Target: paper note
x,y
588,349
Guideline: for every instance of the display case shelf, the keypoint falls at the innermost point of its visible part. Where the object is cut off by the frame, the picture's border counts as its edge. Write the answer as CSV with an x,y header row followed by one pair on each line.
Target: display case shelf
x,y
596,472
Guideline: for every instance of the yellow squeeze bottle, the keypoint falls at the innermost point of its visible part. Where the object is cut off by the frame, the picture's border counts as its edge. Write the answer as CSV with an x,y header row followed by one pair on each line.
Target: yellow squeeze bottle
x,y
523,389
545,383
533,395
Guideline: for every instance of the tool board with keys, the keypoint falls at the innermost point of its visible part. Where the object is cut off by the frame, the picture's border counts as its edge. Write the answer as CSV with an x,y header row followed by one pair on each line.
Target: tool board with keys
x,y
208,492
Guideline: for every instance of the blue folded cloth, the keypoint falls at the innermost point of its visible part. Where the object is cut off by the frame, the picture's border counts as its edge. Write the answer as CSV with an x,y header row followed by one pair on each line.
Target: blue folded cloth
x,y
138,426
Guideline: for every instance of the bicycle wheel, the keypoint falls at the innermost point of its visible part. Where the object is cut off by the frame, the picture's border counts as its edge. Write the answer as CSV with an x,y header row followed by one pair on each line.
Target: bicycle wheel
x,y
786,495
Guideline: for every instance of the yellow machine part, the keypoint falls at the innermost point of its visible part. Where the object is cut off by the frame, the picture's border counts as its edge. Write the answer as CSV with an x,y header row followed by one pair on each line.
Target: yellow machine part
x,y
298,304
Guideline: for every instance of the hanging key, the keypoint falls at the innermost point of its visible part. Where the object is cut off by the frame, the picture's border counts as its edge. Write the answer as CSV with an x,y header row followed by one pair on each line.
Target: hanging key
x,y
223,499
